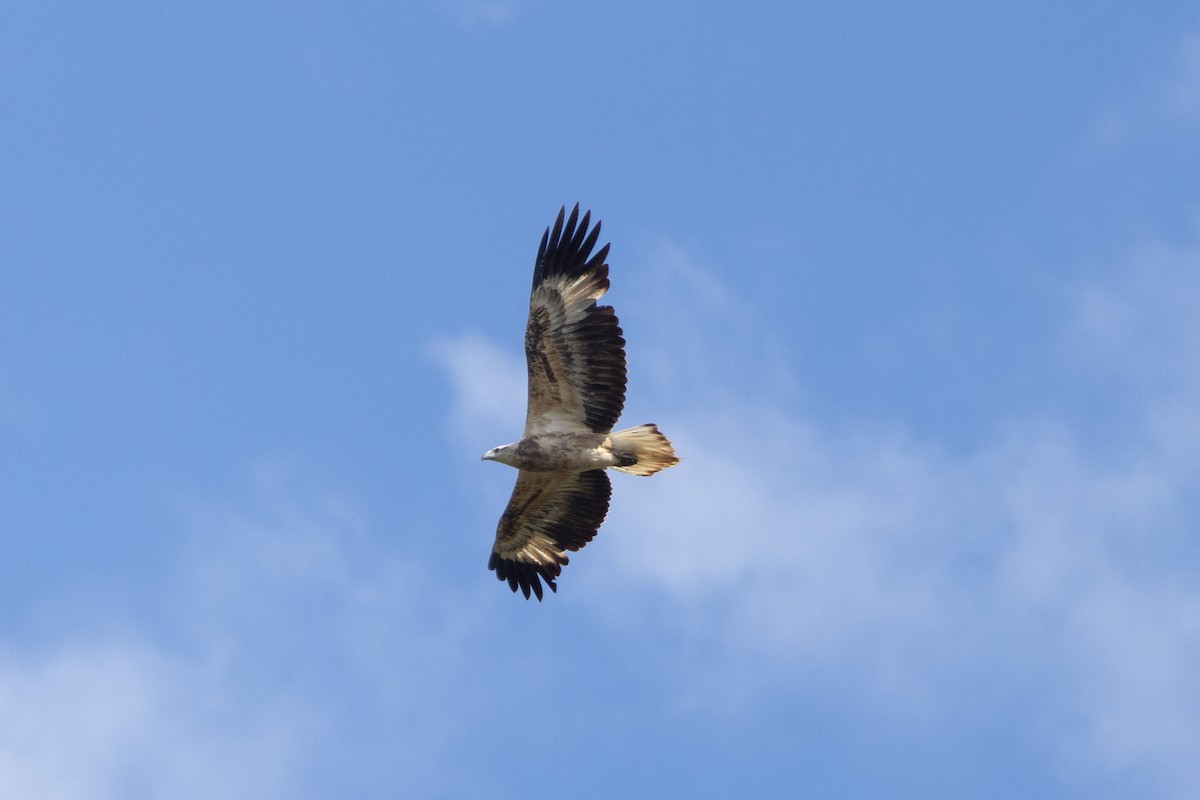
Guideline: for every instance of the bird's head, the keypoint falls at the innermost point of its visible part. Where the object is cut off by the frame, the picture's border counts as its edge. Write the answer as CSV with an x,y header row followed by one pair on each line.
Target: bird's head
x,y
497,454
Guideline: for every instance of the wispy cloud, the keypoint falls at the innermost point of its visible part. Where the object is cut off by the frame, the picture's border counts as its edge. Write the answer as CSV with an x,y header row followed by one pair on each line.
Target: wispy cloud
x,y
1140,326
489,389
1181,91
122,717
1043,574
487,13
295,656
1167,101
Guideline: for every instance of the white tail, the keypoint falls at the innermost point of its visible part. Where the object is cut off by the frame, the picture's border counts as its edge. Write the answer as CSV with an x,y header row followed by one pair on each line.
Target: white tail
x,y
652,449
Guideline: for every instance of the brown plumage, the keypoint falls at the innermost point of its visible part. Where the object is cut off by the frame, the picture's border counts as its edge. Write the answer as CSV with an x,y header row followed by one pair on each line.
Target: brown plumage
x,y
575,358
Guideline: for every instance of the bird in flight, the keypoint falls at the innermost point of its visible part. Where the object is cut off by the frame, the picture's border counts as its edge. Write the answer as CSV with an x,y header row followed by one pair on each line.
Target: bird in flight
x,y
575,356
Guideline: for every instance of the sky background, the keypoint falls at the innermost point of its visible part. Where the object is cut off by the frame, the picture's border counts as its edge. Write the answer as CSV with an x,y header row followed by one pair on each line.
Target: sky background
x,y
912,287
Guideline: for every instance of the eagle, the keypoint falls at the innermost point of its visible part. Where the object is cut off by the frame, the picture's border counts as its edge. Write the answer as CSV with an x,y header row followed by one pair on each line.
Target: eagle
x,y
575,357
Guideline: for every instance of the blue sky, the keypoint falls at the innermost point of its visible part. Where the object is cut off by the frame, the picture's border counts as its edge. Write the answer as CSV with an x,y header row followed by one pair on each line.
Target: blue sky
x,y
912,288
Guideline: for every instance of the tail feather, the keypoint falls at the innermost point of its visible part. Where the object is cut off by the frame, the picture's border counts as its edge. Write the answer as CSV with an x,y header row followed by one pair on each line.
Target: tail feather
x,y
652,450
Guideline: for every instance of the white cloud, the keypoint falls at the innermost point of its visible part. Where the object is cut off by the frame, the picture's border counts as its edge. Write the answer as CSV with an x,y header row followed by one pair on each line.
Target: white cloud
x,y
1168,101
1140,325
475,14
288,635
489,389
674,305
1041,570
1182,89
122,718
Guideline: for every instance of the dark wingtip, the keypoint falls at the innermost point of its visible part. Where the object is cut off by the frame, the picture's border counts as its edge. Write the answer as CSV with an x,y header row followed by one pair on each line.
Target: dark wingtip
x,y
525,579
566,246
558,222
569,229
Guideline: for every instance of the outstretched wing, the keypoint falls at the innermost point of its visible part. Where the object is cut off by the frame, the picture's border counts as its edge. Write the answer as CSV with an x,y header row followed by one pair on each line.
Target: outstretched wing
x,y
548,514
573,348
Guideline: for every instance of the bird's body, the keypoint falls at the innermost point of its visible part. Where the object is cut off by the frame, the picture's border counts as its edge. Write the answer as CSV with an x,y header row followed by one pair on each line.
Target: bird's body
x,y
559,452
575,355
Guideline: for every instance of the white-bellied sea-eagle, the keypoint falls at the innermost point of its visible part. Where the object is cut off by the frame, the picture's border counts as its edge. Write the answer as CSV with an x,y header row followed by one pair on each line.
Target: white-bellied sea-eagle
x,y
575,355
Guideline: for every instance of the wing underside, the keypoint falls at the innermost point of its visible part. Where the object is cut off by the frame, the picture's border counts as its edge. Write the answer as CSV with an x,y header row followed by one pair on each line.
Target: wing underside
x,y
574,350
548,514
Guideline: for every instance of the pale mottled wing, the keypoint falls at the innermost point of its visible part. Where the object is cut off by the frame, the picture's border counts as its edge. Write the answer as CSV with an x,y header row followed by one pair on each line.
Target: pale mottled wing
x,y
548,514
573,348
